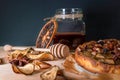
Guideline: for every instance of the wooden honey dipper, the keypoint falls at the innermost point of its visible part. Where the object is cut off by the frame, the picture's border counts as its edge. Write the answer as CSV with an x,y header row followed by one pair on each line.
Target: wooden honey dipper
x,y
57,50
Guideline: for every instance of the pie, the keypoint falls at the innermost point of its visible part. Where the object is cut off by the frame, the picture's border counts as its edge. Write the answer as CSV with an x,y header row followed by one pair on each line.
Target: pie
x,y
101,56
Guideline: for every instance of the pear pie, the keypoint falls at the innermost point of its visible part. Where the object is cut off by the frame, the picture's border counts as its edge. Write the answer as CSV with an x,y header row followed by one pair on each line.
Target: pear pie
x,y
101,56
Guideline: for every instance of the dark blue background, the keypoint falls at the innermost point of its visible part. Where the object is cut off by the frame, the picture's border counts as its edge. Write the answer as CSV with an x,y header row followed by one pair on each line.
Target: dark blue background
x,y
21,20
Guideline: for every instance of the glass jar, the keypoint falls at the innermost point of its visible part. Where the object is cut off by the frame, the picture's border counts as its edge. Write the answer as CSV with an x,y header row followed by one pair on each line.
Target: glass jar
x,y
71,27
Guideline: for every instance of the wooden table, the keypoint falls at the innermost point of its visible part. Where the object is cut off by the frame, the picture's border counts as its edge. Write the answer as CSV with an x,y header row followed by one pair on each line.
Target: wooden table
x,y
6,72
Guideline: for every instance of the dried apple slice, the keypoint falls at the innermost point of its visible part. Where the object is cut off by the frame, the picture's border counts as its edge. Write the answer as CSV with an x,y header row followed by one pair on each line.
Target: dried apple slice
x,y
41,57
46,34
27,69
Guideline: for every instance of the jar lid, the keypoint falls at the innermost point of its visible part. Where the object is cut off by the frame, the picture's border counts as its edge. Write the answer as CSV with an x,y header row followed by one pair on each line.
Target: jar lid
x,y
69,13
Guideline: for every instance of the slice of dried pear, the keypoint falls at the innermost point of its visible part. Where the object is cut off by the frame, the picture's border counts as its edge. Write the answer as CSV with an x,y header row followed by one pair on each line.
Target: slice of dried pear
x,y
42,65
46,34
27,69
15,69
50,74
41,57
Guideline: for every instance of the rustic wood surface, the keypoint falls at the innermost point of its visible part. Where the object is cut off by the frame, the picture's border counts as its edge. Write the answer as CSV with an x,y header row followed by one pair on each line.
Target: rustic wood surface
x,y
6,72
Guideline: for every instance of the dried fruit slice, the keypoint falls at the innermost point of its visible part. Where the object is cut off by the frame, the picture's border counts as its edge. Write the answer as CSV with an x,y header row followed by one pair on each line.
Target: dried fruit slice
x,y
46,34
41,57
15,69
41,65
50,74
27,69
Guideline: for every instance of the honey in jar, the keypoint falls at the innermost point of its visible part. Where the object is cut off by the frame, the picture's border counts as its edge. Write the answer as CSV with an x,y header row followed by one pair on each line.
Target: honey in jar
x,y
71,27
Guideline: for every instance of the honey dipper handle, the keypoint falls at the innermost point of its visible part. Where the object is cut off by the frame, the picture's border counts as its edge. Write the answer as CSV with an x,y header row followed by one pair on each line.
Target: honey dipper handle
x,y
9,47
36,49
42,49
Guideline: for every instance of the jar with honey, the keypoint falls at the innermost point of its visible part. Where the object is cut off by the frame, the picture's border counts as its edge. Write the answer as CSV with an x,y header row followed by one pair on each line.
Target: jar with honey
x,y
71,27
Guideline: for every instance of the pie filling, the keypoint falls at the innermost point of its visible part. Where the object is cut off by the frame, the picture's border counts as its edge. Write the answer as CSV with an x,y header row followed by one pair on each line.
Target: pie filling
x,y
106,51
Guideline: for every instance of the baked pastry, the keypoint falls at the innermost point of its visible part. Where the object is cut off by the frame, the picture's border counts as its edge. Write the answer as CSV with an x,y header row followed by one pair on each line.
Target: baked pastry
x,y
101,56
46,34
